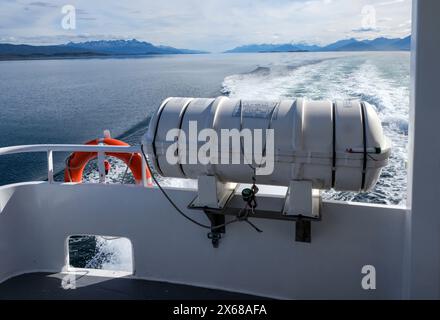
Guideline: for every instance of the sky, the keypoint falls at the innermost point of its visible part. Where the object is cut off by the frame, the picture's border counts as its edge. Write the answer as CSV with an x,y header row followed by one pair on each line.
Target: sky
x,y
212,25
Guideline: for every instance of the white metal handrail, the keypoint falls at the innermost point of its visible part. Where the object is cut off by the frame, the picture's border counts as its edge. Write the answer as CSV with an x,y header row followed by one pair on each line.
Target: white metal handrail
x,y
50,148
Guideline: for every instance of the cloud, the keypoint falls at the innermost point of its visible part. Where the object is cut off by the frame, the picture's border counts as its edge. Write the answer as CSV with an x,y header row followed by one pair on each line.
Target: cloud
x,y
81,11
392,2
368,29
42,4
213,25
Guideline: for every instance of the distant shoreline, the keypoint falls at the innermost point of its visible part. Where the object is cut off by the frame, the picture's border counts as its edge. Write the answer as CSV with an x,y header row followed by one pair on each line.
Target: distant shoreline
x,y
89,49
140,56
308,51
87,56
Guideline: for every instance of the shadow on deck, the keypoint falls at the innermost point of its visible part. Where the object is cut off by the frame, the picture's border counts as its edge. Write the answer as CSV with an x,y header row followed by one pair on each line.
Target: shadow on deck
x,y
45,286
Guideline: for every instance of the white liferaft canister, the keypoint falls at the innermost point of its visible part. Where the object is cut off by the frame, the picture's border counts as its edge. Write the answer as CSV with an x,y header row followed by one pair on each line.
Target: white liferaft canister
x,y
337,145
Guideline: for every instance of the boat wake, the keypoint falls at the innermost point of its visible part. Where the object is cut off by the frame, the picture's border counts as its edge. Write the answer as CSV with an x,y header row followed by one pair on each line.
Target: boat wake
x,y
382,81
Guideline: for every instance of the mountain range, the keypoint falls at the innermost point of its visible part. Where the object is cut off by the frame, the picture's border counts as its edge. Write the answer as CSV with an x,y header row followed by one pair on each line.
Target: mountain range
x,y
379,44
88,49
137,48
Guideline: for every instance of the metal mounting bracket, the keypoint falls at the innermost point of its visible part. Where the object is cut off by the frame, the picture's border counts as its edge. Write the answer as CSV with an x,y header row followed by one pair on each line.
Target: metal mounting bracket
x,y
302,200
212,193
301,206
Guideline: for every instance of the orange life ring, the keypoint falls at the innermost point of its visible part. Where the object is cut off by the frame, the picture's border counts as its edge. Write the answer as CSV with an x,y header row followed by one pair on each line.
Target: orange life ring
x,y
78,160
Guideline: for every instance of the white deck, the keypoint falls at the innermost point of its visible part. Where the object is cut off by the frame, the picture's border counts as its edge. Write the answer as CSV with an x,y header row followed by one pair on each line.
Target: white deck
x,y
37,218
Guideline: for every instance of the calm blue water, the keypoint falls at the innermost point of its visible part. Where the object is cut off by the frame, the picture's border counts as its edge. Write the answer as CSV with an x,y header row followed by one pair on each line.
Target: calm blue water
x,y
72,101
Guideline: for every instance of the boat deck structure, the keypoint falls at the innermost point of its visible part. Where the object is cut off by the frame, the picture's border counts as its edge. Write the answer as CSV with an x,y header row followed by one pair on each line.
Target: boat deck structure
x,y
174,258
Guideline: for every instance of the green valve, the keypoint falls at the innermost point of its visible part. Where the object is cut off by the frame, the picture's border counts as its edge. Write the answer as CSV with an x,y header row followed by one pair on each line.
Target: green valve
x,y
247,194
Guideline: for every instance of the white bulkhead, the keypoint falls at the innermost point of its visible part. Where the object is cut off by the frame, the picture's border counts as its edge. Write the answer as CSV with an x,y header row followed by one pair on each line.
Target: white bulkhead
x,y
337,145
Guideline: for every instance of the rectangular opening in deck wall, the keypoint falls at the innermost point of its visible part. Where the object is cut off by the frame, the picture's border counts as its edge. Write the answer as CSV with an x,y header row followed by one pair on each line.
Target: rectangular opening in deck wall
x,y
100,253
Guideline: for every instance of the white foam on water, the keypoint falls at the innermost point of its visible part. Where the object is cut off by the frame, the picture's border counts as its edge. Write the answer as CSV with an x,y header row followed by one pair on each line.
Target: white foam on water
x,y
119,173
112,253
383,81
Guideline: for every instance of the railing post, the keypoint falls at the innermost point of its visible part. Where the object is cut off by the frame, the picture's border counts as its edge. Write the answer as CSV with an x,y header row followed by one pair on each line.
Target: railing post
x,y
101,166
50,166
144,173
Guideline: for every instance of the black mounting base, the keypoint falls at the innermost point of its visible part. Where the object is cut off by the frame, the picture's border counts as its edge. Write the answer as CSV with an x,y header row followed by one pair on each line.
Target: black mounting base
x,y
303,224
303,230
217,228
217,217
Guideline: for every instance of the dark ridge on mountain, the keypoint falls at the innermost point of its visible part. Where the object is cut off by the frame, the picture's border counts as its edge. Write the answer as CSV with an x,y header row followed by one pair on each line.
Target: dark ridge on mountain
x,y
27,50
355,46
382,43
88,49
129,47
337,45
379,44
404,44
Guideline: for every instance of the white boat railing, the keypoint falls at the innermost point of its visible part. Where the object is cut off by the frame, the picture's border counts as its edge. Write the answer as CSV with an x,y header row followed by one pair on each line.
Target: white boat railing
x,y
51,148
